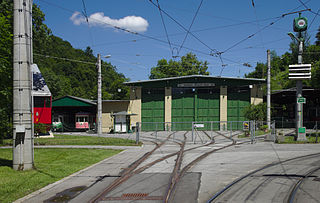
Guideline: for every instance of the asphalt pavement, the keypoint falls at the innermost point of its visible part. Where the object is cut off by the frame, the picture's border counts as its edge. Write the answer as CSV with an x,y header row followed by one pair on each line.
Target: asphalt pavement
x,y
204,180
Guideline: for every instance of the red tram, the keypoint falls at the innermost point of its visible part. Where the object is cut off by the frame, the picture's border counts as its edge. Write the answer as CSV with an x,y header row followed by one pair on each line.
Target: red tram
x,y
42,99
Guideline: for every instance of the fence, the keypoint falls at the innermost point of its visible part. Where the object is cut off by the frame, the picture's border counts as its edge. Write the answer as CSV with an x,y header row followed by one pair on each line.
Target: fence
x,y
197,131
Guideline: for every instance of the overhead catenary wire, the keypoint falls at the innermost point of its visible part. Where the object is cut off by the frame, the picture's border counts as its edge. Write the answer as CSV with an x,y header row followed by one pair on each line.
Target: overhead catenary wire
x,y
194,18
304,4
165,28
129,31
185,29
270,24
86,16
314,19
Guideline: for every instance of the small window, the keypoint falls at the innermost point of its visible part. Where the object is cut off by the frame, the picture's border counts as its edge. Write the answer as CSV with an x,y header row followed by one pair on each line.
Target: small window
x,y
47,102
38,101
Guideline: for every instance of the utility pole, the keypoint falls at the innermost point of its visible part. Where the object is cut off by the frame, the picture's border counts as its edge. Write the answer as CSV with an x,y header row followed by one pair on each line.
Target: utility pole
x,y
268,91
299,72
299,106
99,103
22,111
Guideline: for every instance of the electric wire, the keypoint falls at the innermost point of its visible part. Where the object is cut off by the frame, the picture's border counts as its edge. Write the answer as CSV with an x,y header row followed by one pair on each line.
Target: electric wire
x,y
165,28
65,59
84,13
185,29
194,18
128,31
304,4
314,19
265,27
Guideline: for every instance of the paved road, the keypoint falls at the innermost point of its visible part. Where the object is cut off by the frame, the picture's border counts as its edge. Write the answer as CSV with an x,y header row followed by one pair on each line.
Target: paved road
x,y
202,181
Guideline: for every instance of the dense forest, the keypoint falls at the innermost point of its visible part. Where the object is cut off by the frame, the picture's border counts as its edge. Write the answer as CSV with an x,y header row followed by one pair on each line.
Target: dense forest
x,y
51,54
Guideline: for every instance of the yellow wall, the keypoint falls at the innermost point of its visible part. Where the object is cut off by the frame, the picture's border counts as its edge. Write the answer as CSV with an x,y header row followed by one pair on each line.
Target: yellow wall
x,y
223,106
109,107
135,104
167,106
256,95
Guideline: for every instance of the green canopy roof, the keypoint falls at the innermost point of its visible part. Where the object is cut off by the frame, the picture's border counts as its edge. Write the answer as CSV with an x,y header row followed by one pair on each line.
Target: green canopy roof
x,y
72,101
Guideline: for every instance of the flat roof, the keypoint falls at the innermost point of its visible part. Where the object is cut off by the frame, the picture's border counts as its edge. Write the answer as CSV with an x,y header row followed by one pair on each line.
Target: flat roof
x,y
194,76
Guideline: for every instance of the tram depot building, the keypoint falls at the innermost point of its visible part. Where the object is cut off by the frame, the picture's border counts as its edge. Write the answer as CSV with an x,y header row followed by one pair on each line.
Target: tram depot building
x,y
180,100
164,104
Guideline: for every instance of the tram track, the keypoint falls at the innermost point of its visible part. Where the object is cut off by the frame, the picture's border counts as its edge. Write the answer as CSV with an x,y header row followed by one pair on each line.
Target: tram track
x,y
261,179
176,174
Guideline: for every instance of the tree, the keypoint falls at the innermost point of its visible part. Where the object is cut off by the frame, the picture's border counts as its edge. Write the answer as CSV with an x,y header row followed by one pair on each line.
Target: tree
x,y
63,77
256,112
6,46
188,65
318,37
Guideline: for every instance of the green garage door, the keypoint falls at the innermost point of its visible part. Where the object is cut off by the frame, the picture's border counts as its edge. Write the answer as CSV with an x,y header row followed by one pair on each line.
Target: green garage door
x,y
182,108
208,107
190,104
152,109
238,100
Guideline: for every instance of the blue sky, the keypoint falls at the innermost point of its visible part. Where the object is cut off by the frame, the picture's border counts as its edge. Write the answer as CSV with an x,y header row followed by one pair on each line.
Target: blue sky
x,y
219,26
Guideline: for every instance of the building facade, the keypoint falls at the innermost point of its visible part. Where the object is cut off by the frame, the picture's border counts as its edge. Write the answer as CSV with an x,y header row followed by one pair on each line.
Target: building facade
x,y
192,98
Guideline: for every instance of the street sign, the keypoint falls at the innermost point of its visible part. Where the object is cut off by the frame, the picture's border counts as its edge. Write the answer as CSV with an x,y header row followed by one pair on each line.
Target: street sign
x,y
302,130
301,100
199,125
300,24
245,125
300,71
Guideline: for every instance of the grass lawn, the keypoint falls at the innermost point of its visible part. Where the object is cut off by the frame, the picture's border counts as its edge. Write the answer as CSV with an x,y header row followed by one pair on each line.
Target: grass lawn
x,y
258,132
78,140
290,140
51,166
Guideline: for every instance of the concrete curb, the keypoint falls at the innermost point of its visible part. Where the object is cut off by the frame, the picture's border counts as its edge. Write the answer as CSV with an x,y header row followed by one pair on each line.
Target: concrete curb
x,y
82,147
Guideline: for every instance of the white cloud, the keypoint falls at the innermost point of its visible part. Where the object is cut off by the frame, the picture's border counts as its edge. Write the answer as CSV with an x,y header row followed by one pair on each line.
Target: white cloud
x,y
132,23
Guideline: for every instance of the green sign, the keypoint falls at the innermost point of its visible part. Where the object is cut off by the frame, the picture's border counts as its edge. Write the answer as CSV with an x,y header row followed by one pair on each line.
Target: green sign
x,y
302,130
300,24
301,100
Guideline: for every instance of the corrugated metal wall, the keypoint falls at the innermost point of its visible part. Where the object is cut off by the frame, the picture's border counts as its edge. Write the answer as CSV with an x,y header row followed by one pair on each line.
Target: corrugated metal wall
x,y
194,104
238,100
152,108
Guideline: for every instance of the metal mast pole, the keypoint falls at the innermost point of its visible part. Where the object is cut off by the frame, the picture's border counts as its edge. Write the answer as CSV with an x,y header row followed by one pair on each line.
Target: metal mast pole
x,y
99,127
22,123
268,91
299,106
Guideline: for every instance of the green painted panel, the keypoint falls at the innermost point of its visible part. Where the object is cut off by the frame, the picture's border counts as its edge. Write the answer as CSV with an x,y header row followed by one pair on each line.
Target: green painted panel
x,y
195,104
67,101
152,109
238,100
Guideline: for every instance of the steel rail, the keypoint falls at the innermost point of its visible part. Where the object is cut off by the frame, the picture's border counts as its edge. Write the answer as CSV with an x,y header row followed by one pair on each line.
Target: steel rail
x,y
126,175
298,184
253,172
195,161
175,173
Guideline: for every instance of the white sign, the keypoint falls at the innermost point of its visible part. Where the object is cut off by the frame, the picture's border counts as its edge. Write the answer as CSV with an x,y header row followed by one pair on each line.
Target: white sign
x,y
198,125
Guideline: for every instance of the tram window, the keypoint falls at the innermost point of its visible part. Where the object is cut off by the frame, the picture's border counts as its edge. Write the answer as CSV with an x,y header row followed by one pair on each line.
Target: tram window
x,y
38,101
82,119
48,102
